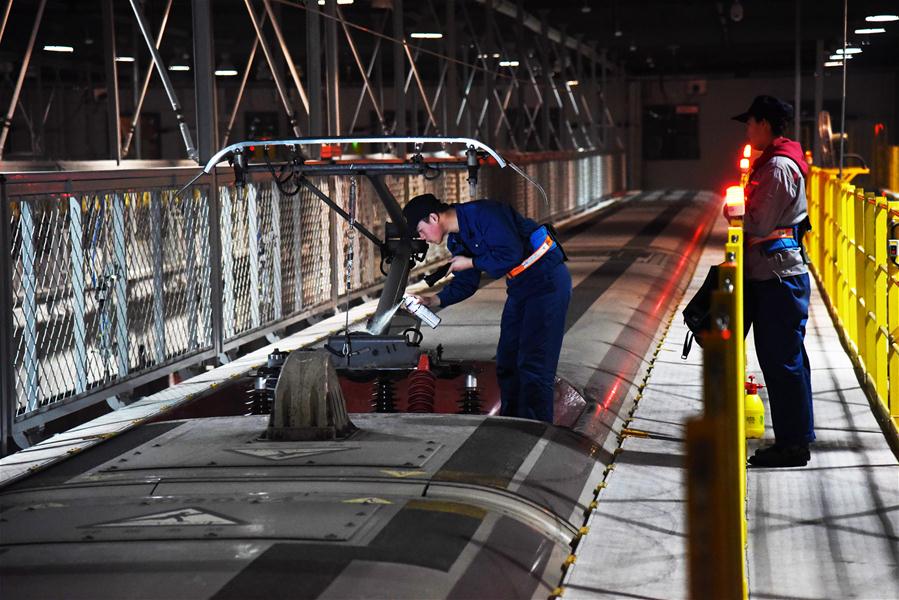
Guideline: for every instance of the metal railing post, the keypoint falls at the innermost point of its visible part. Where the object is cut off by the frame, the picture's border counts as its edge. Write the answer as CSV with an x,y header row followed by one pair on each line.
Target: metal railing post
x,y
275,252
297,212
79,330
253,245
158,275
29,305
192,285
226,261
121,282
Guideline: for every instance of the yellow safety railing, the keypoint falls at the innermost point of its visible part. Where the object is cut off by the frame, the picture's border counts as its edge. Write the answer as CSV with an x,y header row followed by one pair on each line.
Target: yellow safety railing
x,y
716,447
853,233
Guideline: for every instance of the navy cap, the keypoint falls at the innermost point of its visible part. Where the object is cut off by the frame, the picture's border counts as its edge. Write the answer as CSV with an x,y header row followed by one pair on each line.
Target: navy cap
x,y
767,107
420,207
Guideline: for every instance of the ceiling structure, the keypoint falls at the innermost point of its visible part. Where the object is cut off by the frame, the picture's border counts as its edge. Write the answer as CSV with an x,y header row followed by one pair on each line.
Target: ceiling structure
x,y
647,37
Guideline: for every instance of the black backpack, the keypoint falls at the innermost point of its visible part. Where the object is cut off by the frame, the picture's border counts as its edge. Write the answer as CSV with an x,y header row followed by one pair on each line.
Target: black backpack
x,y
697,314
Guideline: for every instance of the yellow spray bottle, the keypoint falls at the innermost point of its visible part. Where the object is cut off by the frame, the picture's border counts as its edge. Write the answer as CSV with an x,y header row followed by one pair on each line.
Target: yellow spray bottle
x,y
754,410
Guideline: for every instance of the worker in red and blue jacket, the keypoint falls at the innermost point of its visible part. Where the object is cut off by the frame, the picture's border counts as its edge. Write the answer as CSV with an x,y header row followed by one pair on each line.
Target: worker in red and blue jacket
x,y
777,288
491,237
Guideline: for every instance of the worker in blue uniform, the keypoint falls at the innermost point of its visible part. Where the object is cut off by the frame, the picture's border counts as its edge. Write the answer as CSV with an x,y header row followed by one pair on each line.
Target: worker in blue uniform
x,y
492,237
777,288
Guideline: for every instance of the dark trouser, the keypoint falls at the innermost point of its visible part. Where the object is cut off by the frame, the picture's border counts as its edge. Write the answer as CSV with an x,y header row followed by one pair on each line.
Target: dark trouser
x,y
530,341
777,310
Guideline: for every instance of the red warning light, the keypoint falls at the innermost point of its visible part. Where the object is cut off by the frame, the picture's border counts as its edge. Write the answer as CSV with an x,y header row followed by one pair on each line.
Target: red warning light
x,y
879,128
725,334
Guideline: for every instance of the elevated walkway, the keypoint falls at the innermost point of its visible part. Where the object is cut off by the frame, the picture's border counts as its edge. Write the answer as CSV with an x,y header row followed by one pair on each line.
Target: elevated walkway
x,y
827,530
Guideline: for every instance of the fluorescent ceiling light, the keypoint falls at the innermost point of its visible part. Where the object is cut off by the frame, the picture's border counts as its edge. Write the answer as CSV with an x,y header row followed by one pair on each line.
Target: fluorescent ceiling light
x,y
55,48
840,57
124,59
427,36
322,2
870,30
882,18
226,72
183,68
508,63
848,51
834,63
572,82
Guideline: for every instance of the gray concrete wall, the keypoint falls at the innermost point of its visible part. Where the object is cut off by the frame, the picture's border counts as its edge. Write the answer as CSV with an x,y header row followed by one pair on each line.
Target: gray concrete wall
x,y
871,98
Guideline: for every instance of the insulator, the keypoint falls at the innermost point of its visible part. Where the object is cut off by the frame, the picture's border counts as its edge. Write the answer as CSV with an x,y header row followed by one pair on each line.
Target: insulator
x,y
262,396
382,395
422,386
470,403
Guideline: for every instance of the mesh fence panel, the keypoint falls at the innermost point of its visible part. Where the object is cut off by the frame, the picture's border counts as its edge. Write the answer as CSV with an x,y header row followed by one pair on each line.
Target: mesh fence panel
x,y
114,282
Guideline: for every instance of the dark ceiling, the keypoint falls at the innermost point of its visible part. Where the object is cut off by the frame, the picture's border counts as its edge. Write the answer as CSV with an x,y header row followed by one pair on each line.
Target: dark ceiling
x,y
647,37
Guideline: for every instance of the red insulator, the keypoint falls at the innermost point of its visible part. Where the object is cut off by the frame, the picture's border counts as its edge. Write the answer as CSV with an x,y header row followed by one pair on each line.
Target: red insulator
x,y
422,386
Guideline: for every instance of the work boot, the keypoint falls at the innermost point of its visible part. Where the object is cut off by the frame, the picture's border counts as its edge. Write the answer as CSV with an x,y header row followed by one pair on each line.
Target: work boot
x,y
781,455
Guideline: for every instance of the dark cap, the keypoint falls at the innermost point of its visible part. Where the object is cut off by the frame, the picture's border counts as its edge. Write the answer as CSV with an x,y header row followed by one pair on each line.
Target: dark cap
x,y
769,108
420,207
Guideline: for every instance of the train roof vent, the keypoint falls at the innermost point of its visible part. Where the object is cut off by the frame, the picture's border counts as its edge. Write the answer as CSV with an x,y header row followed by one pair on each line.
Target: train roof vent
x,y
309,403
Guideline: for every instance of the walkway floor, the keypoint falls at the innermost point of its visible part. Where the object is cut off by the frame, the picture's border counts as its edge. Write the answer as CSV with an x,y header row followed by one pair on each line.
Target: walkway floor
x,y
827,530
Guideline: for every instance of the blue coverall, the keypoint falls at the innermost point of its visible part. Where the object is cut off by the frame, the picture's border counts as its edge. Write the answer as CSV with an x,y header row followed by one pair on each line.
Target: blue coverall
x,y
497,239
777,296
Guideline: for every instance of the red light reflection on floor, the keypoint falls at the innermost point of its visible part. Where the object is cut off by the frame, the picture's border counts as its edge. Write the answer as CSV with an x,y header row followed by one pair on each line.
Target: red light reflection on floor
x,y
607,401
675,277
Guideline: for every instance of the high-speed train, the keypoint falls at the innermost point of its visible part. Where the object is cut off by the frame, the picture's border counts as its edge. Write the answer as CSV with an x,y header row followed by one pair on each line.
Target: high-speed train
x,y
398,480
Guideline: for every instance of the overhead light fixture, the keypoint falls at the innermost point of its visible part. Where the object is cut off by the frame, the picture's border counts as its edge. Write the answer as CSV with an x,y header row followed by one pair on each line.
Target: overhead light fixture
x,y
508,63
870,30
226,72
882,18
848,51
322,2
496,55
426,36
839,57
632,47
185,68
572,82
124,59
57,48
834,63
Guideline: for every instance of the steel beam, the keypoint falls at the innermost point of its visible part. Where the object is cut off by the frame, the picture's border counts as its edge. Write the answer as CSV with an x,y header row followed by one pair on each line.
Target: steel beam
x,y
332,69
452,74
243,86
286,52
204,78
276,73
372,62
538,25
421,88
314,71
166,82
139,104
399,70
366,84
26,60
5,18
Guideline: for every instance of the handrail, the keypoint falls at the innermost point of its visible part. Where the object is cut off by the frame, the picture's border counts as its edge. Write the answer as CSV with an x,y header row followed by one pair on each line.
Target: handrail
x,y
848,246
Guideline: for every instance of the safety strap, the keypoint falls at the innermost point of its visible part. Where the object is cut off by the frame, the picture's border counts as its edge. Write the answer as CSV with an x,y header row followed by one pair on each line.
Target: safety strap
x,y
784,233
530,260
